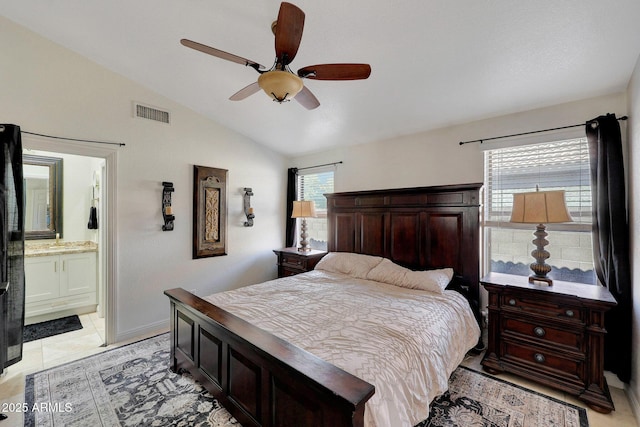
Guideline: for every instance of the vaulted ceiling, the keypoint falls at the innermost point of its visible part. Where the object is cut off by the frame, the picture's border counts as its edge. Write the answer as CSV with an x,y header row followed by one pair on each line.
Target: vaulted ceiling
x,y
434,63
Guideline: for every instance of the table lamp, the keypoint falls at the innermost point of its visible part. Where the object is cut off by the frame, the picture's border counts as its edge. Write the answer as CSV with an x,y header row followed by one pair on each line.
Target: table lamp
x,y
540,207
303,209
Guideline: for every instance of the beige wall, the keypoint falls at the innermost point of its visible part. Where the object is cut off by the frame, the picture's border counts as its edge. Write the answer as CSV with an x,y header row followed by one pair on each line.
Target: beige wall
x,y
634,224
436,158
48,89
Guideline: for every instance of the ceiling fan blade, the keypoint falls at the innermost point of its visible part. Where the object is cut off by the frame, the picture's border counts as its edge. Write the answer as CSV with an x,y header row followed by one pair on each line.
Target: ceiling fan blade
x,y
336,71
307,99
220,53
288,32
245,92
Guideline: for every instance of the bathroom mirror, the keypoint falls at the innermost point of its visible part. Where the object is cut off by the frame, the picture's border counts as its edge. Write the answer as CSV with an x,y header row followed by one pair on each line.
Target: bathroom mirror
x,y
43,196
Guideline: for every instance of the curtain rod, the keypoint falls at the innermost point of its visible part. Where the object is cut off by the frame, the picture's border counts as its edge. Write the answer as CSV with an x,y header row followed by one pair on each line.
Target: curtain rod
x,y
68,139
319,166
120,144
532,132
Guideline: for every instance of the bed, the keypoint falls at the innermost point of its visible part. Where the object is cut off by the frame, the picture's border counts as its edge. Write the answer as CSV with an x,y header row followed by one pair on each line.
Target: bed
x,y
267,379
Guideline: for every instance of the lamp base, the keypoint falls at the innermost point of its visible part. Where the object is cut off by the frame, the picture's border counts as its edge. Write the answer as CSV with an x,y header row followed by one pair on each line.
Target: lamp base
x,y
304,243
540,268
534,279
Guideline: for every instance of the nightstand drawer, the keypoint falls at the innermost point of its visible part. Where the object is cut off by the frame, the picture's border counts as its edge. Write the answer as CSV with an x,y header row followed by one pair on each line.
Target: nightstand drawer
x,y
535,358
293,260
546,334
286,271
542,307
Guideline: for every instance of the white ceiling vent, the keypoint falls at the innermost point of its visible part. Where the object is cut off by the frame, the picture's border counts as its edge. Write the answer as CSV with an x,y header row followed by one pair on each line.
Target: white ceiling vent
x,y
141,111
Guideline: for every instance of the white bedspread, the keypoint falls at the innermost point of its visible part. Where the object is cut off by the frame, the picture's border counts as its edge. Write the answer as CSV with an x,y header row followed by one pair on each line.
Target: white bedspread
x,y
405,342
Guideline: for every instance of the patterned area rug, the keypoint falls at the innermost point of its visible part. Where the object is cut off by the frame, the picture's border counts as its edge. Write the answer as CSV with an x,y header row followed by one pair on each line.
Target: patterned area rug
x,y
127,386
133,386
50,328
476,399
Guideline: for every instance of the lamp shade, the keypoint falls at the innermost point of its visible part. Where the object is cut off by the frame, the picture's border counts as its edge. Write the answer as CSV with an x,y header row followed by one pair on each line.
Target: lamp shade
x,y
280,85
540,207
303,209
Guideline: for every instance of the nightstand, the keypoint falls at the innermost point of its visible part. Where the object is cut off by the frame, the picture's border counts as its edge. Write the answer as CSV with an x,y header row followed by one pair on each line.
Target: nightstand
x,y
553,335
291,261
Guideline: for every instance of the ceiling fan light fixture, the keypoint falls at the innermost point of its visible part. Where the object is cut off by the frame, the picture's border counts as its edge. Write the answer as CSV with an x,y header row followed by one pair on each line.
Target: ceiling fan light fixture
x,y
280,85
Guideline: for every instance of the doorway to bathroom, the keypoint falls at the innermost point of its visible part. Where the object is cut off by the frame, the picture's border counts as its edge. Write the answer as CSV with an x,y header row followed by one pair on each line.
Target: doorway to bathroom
x,y
82,251
64,288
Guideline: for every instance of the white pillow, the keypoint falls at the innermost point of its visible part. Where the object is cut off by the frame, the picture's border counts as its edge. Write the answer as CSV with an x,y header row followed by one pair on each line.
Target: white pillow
x,y
356,265
429,280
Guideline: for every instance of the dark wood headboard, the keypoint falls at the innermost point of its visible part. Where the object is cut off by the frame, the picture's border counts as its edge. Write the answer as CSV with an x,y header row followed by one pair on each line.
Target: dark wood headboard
x,y
420,228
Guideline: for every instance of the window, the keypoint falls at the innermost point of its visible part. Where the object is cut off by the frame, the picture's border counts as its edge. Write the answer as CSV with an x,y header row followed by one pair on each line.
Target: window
x,y
312,186
560,165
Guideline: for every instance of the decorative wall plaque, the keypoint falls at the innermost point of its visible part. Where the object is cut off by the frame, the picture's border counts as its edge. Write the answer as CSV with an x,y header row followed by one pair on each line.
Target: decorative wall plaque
x,y
209,211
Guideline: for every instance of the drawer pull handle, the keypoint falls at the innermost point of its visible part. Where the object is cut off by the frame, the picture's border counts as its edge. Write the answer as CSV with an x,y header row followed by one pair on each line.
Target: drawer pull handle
x,y
539,358
569,313
539,331
512,302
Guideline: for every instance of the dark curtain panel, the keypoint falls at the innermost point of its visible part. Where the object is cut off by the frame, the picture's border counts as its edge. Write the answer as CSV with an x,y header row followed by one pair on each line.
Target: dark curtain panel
x,y
611,238
11,247
292,192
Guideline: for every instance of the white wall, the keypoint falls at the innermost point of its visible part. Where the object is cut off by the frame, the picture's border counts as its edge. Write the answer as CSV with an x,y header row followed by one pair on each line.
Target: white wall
x,y
436,158
48,89
634,224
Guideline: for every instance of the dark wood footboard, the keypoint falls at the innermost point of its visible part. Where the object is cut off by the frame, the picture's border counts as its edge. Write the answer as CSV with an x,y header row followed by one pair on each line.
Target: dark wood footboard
x,y
261,379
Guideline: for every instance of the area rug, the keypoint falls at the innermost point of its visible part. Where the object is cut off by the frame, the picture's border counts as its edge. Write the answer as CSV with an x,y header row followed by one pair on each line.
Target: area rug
x,y
133,386
127,386
50,328
475,399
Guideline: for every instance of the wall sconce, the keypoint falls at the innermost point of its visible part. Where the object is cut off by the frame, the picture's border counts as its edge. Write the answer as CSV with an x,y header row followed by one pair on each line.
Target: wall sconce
x,y
248,210
167,211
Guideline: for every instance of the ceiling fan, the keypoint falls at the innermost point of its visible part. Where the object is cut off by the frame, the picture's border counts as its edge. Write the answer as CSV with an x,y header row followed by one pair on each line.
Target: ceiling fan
x,y
279,82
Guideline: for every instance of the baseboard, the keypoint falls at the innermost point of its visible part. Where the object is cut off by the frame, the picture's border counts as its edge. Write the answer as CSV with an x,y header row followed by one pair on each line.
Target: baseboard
x,y
613,380
143,332
633,401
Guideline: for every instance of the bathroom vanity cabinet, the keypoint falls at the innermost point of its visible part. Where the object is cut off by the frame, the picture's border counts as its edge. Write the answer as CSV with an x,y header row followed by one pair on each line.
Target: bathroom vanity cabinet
x,y
59,282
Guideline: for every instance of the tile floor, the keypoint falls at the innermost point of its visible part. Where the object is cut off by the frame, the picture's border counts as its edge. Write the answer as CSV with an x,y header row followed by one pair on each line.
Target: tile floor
x,y
52,351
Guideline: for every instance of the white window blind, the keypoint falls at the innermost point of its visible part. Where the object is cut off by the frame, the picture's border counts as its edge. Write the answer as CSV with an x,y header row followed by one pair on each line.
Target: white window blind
x,y
312,185
559,165
562,165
